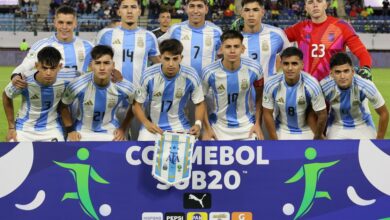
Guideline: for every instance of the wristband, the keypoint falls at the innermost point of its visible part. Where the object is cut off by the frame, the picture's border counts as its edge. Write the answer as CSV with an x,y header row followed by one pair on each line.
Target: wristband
x,y
69,129
16,74
199,123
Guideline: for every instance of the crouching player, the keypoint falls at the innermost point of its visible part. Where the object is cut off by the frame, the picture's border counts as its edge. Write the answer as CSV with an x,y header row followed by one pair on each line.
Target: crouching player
x,y
38,118
166,88
290,96
236,84
345,91
98,99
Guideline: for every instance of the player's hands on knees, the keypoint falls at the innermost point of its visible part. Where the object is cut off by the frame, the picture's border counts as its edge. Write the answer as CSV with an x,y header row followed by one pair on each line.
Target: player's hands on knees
x,y
257,131
119,135
19,81
195,130
209,135
74,136
11,135
152,128
116,76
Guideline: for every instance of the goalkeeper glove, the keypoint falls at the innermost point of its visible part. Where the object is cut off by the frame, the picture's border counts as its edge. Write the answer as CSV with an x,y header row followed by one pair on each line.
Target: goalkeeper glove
x,y
365,72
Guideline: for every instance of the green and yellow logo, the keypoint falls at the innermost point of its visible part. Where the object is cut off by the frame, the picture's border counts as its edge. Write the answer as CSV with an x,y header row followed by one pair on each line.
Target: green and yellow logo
x,y
82,174
311,172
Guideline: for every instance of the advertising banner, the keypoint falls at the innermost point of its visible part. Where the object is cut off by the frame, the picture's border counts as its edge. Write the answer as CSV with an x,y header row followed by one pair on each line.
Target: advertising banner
x,y
241,180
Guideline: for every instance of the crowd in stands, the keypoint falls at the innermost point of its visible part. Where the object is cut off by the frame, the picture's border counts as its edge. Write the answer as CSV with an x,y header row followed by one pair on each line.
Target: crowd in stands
x,y
96,14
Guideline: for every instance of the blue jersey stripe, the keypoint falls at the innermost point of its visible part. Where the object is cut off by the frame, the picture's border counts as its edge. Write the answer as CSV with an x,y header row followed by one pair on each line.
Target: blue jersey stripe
x,y
167,101
291,108
47,99
196,51
345,108
183,103
70,56
19,122
99,109
232,92
88,57
127,56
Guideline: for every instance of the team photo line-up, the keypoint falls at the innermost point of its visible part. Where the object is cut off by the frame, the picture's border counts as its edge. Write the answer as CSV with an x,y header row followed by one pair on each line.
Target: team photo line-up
x,y
244,84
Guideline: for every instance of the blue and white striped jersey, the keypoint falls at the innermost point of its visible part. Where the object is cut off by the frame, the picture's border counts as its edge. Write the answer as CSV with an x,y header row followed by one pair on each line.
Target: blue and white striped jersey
x,y
290,103
264,47
168,97
232,92
38,111
131,50
200,44
97,105
76,55
347,108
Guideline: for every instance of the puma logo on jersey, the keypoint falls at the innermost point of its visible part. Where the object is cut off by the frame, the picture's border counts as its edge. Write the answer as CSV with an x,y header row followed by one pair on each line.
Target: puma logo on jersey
x,y
221,88
157,94
89,102
117,41
35,96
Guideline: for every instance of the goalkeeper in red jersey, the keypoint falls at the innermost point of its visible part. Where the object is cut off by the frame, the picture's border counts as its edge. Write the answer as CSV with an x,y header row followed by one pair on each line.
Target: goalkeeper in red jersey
x,y
322,36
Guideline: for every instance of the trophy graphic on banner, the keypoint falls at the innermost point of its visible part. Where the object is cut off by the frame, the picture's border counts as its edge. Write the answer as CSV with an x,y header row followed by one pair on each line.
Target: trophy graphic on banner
x,y
172,157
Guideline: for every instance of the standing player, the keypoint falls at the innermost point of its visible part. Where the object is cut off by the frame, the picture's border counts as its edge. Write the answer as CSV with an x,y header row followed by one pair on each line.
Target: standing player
x,y
349,118
231,80
289,96
98,100
132,45
75,52
263,42
164,18
200,38
37,118
322,36
167,87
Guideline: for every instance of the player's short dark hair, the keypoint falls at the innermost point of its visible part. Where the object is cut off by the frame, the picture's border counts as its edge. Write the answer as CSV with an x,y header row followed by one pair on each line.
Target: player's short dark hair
x,y
120,2
172,46
231,34
66,10
204,1
49,56
291,51
244,2
101,50
164,10
340,59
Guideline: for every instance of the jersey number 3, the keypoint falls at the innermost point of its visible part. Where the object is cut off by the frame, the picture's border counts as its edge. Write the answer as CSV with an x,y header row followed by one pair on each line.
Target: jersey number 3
x,y
318,50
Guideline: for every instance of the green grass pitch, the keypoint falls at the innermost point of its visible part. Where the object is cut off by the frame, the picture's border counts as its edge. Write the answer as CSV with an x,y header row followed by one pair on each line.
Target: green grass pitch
x,y
381,79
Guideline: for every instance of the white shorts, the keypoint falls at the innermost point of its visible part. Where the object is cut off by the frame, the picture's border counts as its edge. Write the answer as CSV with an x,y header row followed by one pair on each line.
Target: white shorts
x,y
43,136
95,136
285,135
359,132
224,133
145,135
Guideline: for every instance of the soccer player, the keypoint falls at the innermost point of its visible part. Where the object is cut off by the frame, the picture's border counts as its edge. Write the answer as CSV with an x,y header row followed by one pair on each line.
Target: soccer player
x,y
164,19
232,80
345,91
200,38
132,45
263,42
75,51
322,36
37,118
98,100
167,87
289,96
